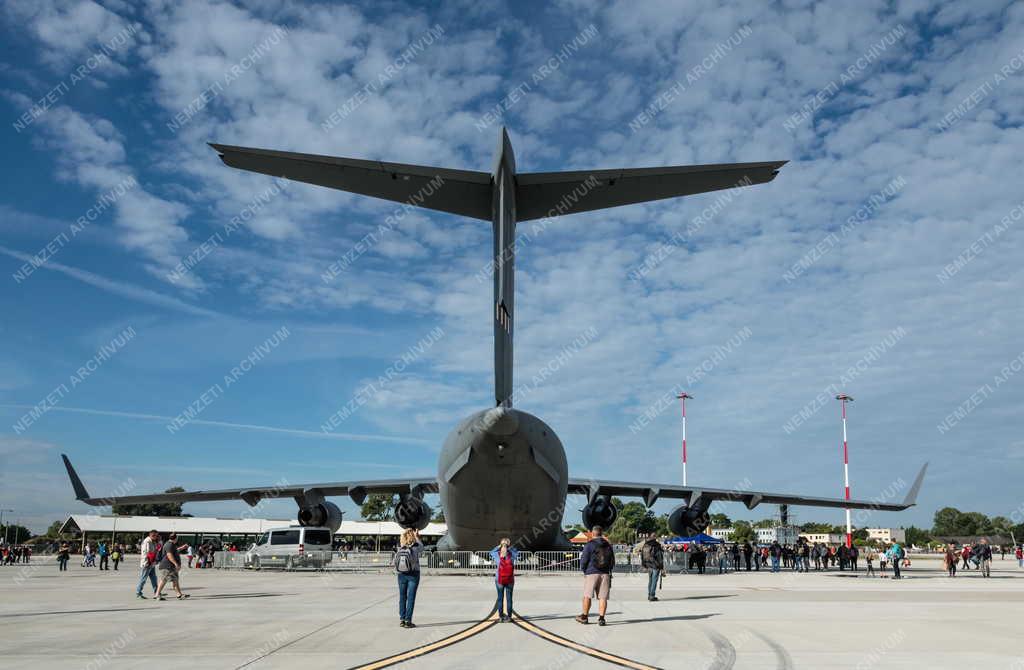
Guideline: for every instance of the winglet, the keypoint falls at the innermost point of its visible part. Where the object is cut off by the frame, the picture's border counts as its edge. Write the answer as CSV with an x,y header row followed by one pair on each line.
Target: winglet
x,y
76,482
911,498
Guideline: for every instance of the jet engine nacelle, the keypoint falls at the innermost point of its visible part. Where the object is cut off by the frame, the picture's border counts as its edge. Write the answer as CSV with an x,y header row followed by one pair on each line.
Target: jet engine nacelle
x,y
687,521
325,514
412,513
601,513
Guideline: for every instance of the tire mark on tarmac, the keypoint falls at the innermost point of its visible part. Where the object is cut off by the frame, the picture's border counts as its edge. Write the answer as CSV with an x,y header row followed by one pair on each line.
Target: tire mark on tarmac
x,y
725,653
783,660
444,642
315,631
526,625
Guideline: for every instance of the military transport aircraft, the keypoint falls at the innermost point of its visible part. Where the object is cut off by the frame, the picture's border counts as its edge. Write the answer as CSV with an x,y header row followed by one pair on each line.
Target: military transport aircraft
x,y
502,472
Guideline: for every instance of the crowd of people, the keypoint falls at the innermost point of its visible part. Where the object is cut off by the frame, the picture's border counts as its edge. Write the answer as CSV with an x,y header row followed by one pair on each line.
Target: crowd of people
x,y
17,553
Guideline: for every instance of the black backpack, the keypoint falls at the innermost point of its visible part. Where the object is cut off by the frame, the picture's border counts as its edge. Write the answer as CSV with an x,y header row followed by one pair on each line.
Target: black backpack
x,y
603,556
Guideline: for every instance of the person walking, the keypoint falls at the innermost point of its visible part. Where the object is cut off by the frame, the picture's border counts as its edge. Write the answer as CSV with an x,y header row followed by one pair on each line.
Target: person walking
x,y
748,551
147,563
62,557
169,568
597,562
950,561
984,553
115,555
504,557
407,565
1020,555
776,553
854,555
104,556
965,555
869,558
652,559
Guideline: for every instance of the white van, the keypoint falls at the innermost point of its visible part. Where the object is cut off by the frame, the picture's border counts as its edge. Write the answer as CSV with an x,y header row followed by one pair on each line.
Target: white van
x,y
289,547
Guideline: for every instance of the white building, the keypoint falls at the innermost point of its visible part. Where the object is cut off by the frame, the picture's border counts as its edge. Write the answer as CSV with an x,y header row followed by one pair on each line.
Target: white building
x,y
887,534
780,534
721,533
824,538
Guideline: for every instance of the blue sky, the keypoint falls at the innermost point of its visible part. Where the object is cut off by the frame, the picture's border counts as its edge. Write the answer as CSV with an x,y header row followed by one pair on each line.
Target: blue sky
x,y
883,261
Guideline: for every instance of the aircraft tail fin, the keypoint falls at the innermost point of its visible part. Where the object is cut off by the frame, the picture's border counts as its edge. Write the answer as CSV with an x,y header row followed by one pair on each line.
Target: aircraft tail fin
x,y
76,481
911,498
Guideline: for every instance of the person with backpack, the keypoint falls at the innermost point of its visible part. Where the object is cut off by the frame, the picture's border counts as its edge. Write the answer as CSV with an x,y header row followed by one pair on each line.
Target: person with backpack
x,y
115,556
504,557
652,559
169,567
597,562
407,566
148,552
896,556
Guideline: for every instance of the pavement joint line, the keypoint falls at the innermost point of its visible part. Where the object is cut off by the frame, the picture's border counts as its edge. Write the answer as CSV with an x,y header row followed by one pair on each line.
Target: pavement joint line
x,y
314,632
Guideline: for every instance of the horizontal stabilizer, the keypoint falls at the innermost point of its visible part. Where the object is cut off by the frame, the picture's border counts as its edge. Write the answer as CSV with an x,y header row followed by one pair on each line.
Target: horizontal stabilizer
x,y
544,194
454,191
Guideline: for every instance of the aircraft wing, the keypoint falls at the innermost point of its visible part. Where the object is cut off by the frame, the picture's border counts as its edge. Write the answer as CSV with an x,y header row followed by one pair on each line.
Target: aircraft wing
x,y
541,194
651,492
455,191
253,494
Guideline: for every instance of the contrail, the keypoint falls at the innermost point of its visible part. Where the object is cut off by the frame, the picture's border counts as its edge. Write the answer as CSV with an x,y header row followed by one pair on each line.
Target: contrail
x,y
243,426
117,288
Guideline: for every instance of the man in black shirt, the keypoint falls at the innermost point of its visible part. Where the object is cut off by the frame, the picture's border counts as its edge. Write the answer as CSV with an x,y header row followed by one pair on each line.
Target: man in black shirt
x,y
169,567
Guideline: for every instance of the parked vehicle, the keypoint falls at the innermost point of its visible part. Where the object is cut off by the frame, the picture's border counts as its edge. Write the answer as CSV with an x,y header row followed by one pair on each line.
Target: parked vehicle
x,y
290,547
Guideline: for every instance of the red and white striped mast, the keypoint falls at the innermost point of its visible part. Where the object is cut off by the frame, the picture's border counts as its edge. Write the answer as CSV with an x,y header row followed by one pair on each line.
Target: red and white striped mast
x,y
843,398
682,400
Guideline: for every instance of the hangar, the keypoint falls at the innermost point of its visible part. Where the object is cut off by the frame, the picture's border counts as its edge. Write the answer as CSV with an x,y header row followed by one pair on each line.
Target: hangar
x,y
193,528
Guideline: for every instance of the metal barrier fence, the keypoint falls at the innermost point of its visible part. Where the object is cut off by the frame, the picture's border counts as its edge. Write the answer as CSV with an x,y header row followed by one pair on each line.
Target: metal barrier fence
x,y
455,562
441,562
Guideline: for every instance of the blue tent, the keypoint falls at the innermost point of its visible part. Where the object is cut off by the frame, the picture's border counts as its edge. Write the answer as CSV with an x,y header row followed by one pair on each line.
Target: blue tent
x,y
699,538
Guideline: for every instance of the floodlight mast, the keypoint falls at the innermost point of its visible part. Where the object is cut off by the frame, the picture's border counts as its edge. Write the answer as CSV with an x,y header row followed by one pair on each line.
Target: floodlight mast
x,y
682,400
843,399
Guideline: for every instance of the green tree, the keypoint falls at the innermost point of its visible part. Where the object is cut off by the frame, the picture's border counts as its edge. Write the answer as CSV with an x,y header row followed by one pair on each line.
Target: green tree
x,y
151,509
53,532
438,515
859,534
917,536
719,520
742,531
813,527
946,522
378,507
765,523
634,519
14,533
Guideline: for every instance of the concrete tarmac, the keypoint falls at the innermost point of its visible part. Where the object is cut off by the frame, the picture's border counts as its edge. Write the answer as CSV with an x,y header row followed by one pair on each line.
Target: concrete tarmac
x,y
241,619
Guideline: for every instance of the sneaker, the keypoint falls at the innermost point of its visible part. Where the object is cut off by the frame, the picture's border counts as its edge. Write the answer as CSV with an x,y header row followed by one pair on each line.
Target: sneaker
x,y
582,618
654,599
600,621
139,595
401,624
409,624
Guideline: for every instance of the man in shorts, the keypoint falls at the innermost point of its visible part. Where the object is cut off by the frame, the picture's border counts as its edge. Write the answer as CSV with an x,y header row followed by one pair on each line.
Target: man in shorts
x,y
597,562
169,567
